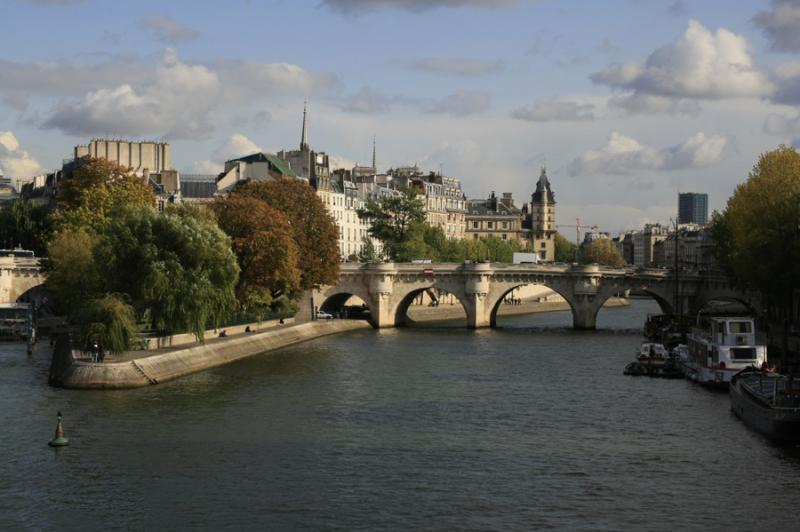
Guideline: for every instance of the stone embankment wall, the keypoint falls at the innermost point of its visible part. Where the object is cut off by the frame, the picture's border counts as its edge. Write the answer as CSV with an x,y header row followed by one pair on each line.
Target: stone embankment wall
x,y
69,372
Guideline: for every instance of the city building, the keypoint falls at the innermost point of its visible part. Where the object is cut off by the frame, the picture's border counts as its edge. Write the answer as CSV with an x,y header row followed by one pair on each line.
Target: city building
x,y
644,243
256,167
305,162
444,200
692,208
540,219
198,188
341,197
695,250
494,216
8,192
141,157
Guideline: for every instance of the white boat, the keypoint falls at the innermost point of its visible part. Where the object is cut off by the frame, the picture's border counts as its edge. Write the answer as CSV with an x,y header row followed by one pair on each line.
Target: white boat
x,y
713,356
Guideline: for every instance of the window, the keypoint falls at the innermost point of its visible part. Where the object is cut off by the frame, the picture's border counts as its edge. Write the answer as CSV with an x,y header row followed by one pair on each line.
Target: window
x,y
475,236
505,225
739,327
490,225
475,225
543,245
505,236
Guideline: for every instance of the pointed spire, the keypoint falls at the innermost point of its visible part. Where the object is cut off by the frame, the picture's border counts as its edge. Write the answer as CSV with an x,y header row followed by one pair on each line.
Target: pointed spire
x,y
304,137
374,167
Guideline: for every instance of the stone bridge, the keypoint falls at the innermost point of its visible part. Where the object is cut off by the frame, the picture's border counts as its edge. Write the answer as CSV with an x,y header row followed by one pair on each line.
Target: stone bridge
x,y
389,289
17,276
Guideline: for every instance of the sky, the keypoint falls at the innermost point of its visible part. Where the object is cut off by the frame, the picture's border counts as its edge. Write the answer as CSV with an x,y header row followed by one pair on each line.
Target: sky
x,y
626,102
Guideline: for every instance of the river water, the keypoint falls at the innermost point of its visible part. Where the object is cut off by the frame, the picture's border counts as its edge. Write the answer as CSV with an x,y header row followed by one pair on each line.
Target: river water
x,y
531,426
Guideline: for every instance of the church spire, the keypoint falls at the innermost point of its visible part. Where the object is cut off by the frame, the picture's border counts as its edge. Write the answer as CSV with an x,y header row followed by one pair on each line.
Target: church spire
x,y
304,138
374,167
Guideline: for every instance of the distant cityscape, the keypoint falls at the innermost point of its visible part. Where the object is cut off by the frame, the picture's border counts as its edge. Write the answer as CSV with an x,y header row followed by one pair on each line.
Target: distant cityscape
x,y
346,190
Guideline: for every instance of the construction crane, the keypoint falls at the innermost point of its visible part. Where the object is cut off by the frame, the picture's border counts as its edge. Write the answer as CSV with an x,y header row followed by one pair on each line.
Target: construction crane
x,y
578,226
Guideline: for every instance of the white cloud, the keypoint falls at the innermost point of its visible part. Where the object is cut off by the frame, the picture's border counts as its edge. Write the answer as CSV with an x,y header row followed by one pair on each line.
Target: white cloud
x,y
14,161
177,104
235,146
781,25
700,65
168,30
458,67
336,162
627,156
555,110
248,80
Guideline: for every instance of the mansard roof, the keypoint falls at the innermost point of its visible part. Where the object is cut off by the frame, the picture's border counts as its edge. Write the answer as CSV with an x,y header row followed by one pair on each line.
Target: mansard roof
x,y
262,157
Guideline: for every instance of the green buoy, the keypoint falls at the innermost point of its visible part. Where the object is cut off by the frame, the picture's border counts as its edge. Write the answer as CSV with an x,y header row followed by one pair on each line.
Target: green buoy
x,y
59,440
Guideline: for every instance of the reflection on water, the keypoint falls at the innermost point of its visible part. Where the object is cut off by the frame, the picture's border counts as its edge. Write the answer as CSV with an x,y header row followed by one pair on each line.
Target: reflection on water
x,y
524,427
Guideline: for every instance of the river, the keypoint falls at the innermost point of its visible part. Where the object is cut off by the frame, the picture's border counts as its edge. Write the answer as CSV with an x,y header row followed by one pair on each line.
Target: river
x,y
527,427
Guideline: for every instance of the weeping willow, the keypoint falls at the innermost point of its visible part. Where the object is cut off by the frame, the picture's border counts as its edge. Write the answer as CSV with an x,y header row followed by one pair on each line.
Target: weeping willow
x,y
109,322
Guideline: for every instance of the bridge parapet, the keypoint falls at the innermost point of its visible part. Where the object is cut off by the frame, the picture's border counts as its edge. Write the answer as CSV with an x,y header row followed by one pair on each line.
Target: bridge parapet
x,y
389,288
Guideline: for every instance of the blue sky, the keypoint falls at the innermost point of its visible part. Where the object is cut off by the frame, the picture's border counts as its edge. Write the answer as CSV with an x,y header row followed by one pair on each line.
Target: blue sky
x,y
626,101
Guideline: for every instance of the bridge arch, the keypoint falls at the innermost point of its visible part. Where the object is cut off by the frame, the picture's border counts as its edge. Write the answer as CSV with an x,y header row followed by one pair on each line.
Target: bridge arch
x,y
404,302
334,299
503,293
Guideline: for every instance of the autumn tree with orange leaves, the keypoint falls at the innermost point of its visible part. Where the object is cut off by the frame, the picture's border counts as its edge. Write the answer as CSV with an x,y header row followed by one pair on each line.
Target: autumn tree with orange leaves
x,y
313,228
262,240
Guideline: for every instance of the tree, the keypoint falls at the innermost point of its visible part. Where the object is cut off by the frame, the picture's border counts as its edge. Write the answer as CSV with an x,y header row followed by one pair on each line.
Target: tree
x,y
25,224
368,252
176,268
313,228
392,219
73,277
265,250
110,322
758,235
603,251
98,190
564,249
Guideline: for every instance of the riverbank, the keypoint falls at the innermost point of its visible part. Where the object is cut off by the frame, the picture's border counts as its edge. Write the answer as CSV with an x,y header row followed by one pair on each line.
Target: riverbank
x,y
455,312
144,368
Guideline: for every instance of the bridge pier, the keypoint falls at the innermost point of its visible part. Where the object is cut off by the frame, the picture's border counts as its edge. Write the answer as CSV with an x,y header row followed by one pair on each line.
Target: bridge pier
x,y
584,318
381,286
478,306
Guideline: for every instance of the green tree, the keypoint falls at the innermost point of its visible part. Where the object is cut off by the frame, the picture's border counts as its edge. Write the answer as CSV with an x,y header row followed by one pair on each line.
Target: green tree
x,y
564,249
97,191
73,277
263,242
392,218
110,322
603,252
368,251
25,224
758,235
177,268
313,227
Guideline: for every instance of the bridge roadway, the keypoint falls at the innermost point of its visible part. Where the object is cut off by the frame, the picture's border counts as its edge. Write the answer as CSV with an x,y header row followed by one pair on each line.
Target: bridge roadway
x,y
17,276
388,289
